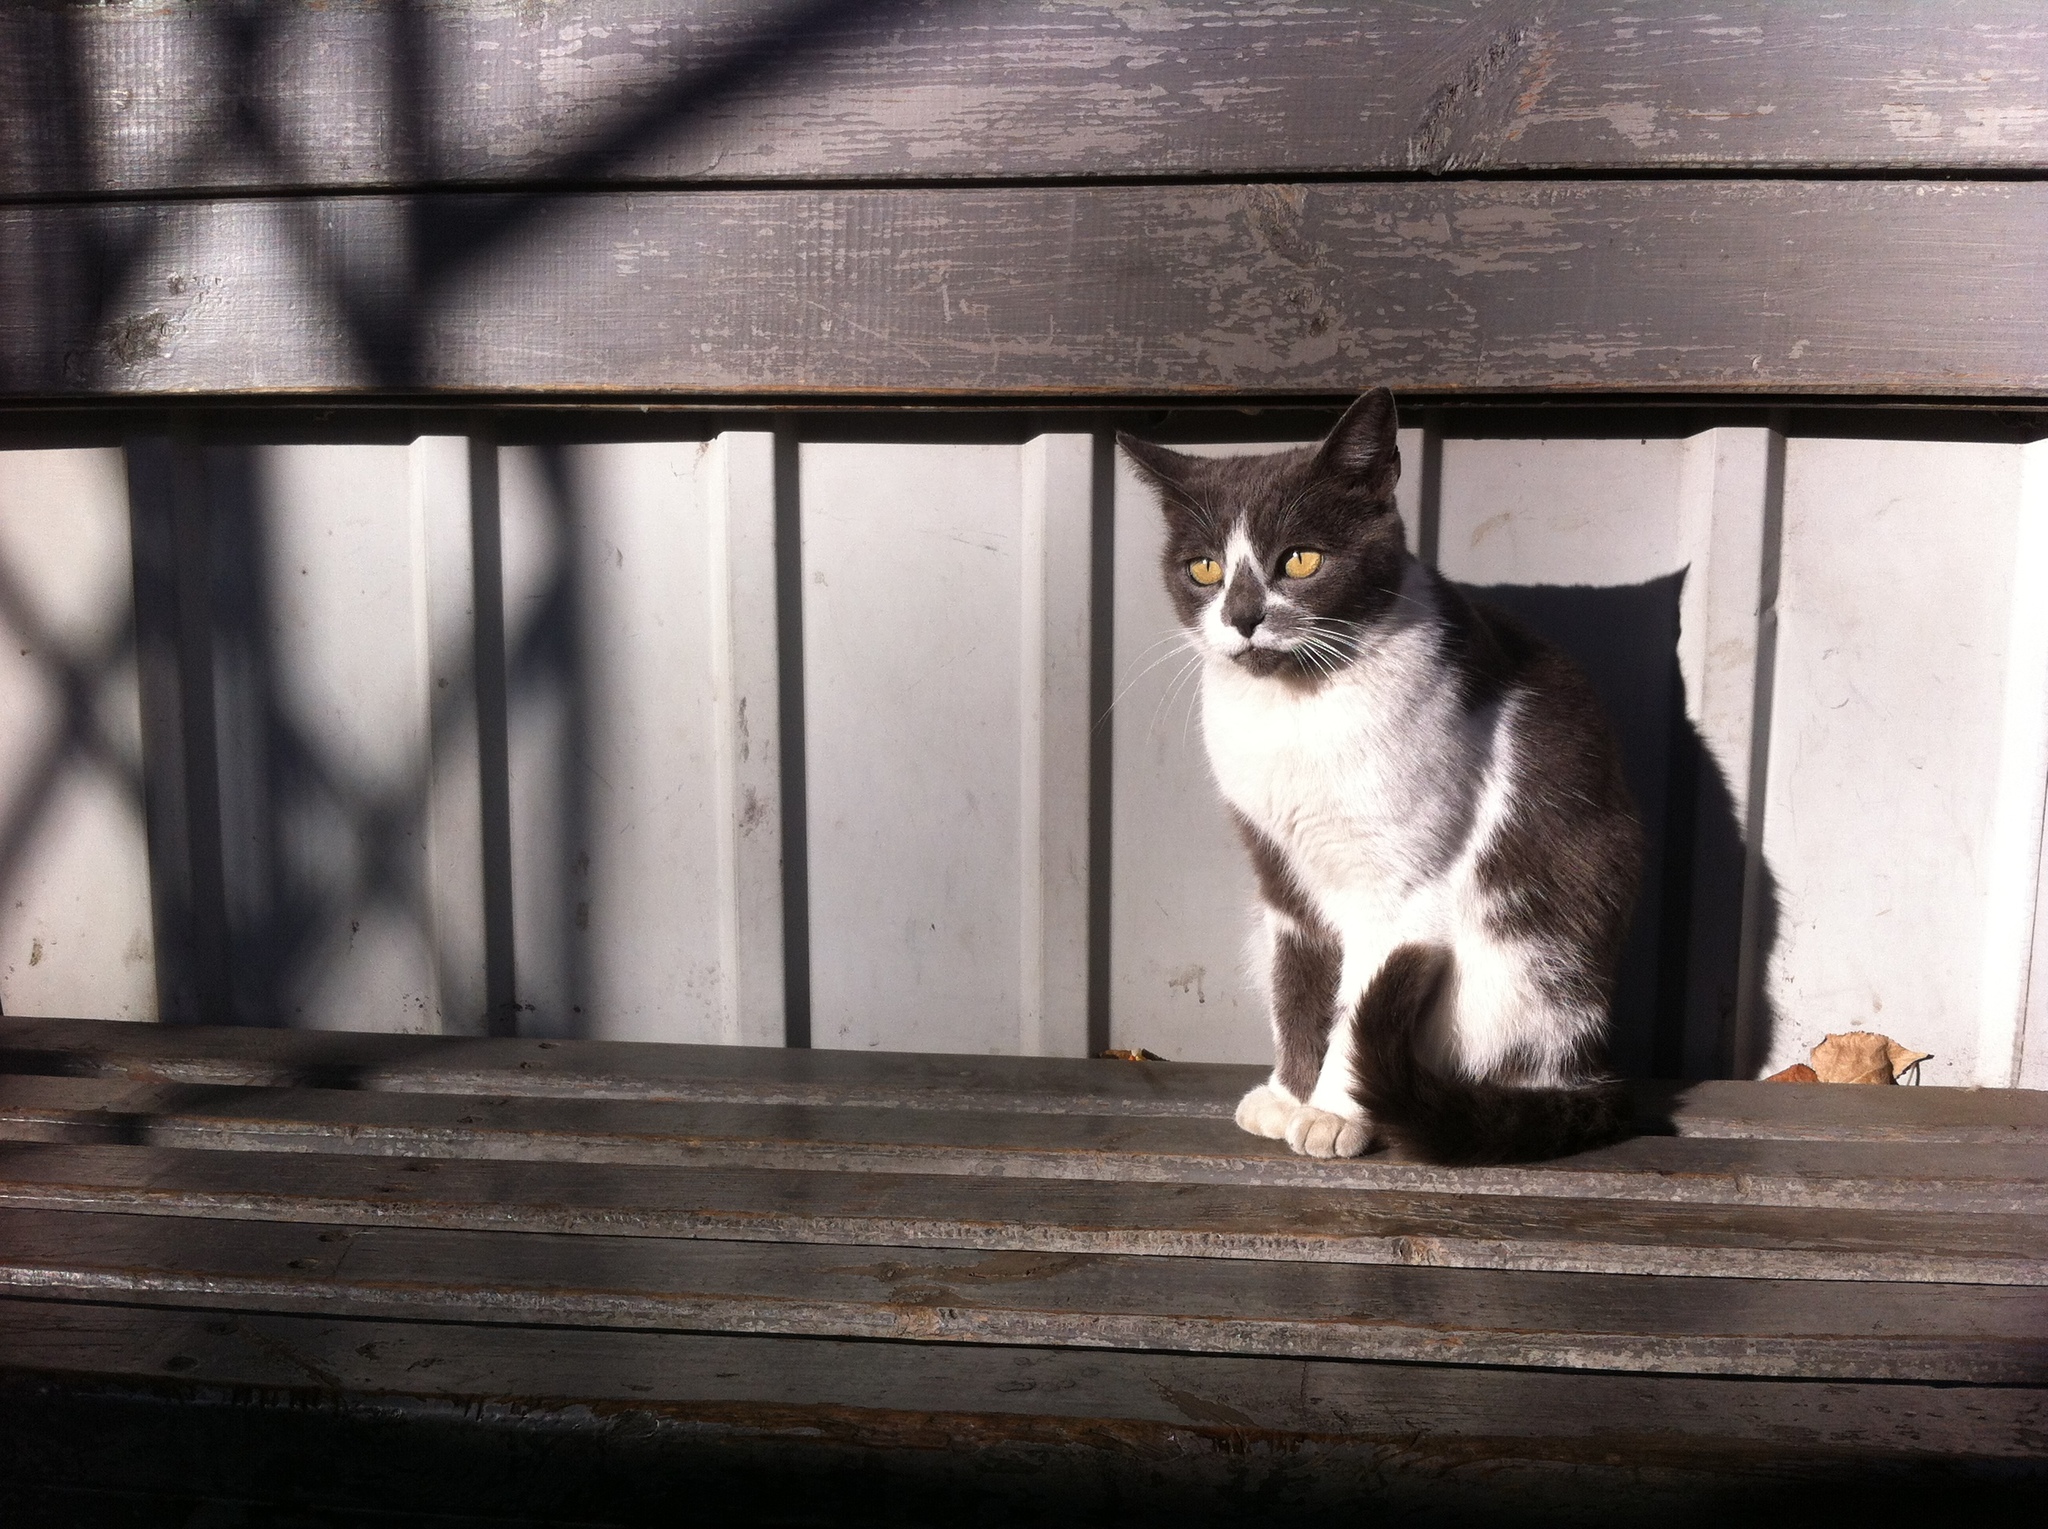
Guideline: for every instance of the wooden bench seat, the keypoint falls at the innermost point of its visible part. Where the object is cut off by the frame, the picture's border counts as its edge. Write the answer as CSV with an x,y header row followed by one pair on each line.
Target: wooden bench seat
x,y
511,1279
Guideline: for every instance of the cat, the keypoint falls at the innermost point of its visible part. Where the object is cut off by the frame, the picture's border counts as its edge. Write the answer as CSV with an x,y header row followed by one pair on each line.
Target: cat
x,y
1446,852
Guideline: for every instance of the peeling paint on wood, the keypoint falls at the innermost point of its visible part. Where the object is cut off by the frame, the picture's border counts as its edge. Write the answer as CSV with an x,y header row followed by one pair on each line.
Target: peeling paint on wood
x,y
1693,286
377,93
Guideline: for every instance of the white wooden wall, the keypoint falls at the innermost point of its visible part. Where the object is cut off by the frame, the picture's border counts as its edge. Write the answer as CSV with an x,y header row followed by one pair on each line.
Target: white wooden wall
x,y
75,932
1854,631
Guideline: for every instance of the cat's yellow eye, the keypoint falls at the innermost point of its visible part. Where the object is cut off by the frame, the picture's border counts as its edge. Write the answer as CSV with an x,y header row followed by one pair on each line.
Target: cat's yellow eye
x,y
1300,564
1206,570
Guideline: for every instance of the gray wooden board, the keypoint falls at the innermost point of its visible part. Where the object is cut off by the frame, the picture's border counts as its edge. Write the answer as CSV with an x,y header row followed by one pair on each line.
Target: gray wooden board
x,y
433,1064
1047,1216
244,1057
506,1366
1945,1177
1719,287
1979,1334
256,1405
309,93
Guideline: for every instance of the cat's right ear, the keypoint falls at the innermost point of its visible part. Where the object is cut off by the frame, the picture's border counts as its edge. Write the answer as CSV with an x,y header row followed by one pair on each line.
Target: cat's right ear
x,y
1361,450
1166,470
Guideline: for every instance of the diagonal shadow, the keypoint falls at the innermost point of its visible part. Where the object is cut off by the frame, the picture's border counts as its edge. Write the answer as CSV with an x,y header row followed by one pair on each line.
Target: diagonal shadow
x,y
380,309
80,680
306,848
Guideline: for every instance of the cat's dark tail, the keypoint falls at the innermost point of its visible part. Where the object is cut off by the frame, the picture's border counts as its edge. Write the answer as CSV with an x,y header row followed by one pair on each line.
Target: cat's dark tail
x,y
1453,1120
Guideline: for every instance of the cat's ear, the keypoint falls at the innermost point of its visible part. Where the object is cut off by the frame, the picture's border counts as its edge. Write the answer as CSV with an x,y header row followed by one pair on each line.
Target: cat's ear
x,y
1168,471
1361,449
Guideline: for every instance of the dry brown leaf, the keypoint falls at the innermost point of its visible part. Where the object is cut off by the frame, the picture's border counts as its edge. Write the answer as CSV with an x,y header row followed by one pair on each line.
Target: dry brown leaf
x,y
1904,1057
1120,1054
1798,1072
1863,1056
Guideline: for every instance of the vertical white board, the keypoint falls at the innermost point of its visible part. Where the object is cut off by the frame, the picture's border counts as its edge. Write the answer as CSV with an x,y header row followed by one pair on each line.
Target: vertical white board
x,y
1726,486
75,932
945,670
1894,615
640,633
2012,1009
1181,890
361,880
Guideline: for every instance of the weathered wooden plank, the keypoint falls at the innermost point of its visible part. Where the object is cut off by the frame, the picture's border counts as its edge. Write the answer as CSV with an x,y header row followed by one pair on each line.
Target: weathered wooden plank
x,y
1944,1177
1045,1216
1978,1334
583,1424
1697,286
253,1058
374,93
619,1070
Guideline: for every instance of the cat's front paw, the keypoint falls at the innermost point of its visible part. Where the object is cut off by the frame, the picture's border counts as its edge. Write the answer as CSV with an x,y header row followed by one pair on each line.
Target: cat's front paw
x,y
1318,1133
1265,1111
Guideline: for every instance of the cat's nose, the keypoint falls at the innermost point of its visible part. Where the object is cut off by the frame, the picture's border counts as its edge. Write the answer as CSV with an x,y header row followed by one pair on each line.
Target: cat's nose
x,y
1247,622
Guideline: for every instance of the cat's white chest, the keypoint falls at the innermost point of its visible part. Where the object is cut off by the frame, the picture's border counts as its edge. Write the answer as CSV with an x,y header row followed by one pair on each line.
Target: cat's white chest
x,y
1366,782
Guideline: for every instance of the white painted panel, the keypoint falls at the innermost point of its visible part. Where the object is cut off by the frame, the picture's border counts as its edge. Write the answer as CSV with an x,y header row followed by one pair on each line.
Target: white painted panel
x,y
640,627
945,695
1725,492
1560,512
2015,861
444,585
737,478
357,880
1894,621
75,931
1055,733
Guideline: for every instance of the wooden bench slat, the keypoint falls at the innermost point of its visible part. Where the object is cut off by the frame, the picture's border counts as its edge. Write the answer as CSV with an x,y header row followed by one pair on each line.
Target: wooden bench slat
x,y
1060,1216
1018,1085
328,1355
1702,288
488,1420
646,1070
631,92
1960,1333
1940,1177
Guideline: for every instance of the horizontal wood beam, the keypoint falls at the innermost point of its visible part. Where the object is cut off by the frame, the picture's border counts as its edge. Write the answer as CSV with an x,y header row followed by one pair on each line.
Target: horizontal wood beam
x,y
384,93
1966,1334
1940,1177
1278,1224
1713,287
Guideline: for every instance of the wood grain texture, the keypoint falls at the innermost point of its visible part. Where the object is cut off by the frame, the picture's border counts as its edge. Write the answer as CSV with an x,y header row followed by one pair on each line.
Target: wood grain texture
x,y
369,93
1276,290
1172,1150
472,1420
1040,1216
524,1068
1976,1334
286,1353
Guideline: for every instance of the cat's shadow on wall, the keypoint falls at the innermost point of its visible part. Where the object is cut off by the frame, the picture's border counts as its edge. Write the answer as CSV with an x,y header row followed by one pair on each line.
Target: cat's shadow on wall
x,y
1675,1011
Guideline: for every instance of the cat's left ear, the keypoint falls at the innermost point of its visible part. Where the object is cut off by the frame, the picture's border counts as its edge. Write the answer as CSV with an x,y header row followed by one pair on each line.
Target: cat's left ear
x,y
1166,470
1361,449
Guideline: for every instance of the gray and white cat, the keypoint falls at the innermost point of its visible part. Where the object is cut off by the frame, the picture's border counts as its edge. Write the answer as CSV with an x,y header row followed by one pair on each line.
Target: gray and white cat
x,y
1446,852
